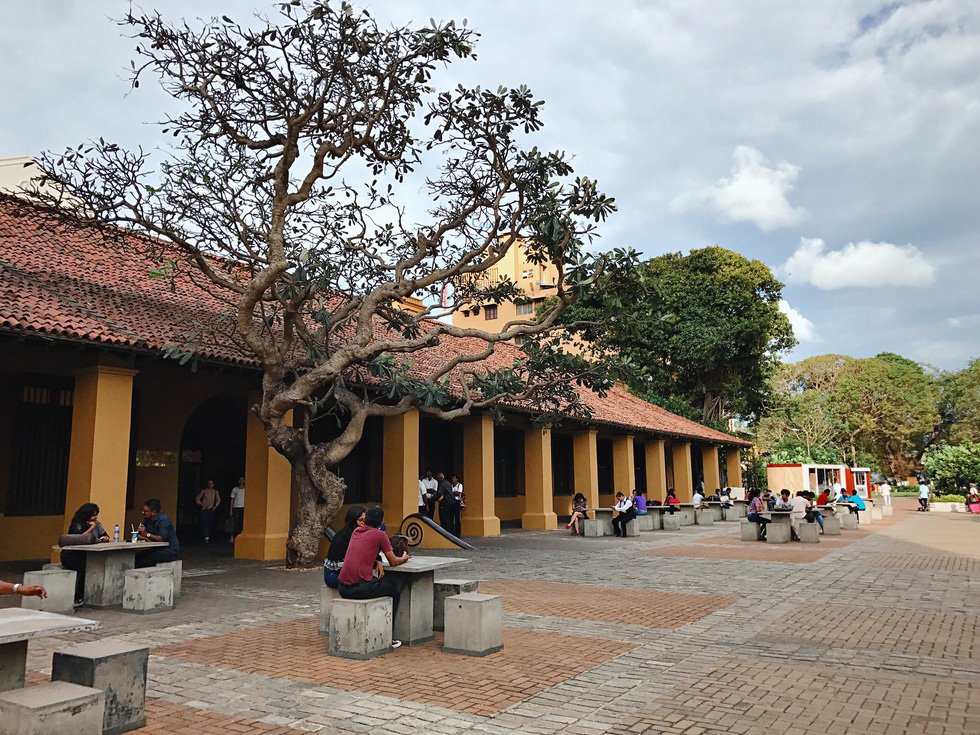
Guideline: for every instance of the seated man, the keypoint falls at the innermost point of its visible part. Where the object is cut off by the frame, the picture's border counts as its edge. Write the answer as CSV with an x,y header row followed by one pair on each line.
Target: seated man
x,y
356,579
812,509
624,506
698,499
726,497
824,498
715,497
798,508
784,503
156,526
856,501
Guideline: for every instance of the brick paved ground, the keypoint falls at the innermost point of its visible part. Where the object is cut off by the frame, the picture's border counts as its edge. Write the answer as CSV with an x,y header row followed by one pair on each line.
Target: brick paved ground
x,y
876,631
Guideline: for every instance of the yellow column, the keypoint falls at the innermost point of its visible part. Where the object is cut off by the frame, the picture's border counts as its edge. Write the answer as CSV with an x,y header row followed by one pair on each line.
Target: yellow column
x,y
656,461
538,493
400,468
733,463
712,469
478,481
98,460
624,469
683,481
268,484
586,458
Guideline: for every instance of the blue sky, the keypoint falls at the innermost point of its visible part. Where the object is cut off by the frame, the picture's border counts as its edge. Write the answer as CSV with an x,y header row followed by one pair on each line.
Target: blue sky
x,y
838,142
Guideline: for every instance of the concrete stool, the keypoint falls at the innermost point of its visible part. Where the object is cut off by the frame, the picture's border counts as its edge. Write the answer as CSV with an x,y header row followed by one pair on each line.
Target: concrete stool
x,y
474,624
685,516
671,522
149,590
877,514
705,517
591,527
729,514
178,568
864,516
360,629
444,589
327,596
118,669
717,512
831,526
778,533
52,708
887,511
809,533
750,531
632,528
46,567
848,521
60,586
649,522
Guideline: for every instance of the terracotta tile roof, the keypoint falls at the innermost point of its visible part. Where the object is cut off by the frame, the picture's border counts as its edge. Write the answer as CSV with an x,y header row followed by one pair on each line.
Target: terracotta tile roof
x,y
72,284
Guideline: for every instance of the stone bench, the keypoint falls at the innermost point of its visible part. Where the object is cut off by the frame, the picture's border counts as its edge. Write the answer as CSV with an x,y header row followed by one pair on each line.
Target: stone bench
x,y
474,624
864,516
178,570
149,590
877,514
444,589
887,511
649,522
671,521
360,629
591,527
685,516
848,521
750,530
60,586
115,668
632,528
327,596
831,525
809,533
704,517
52,708
778,533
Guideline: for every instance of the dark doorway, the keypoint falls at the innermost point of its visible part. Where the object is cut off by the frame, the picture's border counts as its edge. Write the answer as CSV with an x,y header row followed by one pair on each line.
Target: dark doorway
x,y
604,460
440,447
562,464
212,447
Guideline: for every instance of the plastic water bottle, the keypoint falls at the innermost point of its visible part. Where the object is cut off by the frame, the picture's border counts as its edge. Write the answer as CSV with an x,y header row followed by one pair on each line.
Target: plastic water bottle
x,y
115,533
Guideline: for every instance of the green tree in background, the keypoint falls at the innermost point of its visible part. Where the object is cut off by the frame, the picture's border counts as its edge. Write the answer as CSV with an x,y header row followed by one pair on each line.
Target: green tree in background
x,y
953,467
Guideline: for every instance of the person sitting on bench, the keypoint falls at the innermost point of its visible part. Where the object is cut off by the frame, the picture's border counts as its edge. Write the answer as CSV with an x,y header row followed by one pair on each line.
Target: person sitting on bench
x,y
624,506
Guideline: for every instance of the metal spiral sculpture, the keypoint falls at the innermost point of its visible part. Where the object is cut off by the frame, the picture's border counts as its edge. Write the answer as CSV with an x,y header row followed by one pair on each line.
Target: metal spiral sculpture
x,y
414,528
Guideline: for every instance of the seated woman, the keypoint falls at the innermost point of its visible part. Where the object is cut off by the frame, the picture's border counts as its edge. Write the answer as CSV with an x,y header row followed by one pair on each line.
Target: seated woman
x,y
671,501
579,504
754,513
640,502
85,521
624,507
339,544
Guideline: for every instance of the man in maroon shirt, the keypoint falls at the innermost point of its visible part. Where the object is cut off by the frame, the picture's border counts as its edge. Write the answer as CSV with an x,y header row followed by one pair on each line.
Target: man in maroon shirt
x,y
356,579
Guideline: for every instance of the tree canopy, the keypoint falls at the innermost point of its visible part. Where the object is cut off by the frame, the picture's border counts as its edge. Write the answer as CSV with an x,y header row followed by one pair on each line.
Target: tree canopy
x,y
703,330
316,179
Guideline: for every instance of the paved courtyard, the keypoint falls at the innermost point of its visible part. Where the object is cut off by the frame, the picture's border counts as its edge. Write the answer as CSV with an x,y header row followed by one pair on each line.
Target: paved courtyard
x,y
876,631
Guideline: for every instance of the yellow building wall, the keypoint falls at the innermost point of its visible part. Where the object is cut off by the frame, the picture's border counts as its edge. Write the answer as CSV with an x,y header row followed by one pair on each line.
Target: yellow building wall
x,y
509,509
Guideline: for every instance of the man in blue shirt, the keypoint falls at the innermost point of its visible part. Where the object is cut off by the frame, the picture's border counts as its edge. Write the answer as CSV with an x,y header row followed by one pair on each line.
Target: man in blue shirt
x,y
156,526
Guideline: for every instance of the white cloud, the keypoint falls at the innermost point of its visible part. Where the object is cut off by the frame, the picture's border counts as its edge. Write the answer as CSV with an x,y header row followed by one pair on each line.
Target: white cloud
x,y
803,328
755,192
864,264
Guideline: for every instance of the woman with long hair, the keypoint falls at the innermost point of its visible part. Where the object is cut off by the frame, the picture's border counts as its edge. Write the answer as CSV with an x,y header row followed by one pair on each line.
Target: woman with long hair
x,y
754,513
339,544
579,504
85,521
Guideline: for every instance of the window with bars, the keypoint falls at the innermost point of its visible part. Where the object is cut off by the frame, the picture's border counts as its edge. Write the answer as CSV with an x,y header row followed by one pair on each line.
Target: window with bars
x,y
40,440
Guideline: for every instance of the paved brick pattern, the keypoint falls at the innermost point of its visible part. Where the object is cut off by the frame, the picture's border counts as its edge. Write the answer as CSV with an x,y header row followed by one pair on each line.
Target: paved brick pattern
x,y
751,551
529,663
649,608
931,563
750,697
167,718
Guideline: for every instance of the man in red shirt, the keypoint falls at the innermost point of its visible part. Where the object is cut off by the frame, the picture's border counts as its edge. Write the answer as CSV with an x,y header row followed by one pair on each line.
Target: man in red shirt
x,y
356,579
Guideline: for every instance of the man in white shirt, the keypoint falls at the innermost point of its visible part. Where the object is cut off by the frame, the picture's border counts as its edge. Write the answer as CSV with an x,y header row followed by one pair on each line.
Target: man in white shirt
x,y
783,502
798,508
698,498
923,496
838,489
431,485
886,492
236,508
422,505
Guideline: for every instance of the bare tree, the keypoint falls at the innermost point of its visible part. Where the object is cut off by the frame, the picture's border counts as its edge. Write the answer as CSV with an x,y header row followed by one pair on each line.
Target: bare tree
x,y
304,141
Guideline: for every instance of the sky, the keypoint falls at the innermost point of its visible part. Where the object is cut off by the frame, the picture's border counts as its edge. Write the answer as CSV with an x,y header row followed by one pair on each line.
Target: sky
x,y
836,141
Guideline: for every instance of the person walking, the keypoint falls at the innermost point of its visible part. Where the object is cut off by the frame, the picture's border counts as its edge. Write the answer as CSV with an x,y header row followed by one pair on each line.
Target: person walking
x,y
923,496
208,500
236,508
885,491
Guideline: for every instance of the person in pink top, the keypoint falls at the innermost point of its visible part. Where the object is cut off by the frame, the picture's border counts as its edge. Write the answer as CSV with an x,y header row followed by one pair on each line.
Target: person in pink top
x,y
357,576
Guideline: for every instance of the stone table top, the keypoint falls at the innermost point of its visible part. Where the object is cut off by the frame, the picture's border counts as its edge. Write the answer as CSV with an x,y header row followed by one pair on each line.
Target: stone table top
x,y
421,564
19,624
116,546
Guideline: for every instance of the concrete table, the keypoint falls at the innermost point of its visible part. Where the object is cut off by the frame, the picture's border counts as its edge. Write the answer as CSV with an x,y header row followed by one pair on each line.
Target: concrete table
x,y
415,578
106,566
17,627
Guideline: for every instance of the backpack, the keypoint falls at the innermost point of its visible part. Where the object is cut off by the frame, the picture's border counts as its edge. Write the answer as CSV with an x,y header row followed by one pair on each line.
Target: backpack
x,y
462,501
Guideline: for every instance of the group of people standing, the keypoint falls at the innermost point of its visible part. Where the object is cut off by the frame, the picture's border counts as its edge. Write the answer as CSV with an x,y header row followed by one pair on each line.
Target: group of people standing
x,y
209,499
448,495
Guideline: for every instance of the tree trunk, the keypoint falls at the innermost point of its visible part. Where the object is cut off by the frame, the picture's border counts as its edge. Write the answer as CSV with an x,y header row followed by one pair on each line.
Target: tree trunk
x,y
318,503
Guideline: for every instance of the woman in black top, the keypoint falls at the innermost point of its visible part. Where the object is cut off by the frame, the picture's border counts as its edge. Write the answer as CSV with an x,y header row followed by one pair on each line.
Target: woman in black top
x,y
339,544
85,521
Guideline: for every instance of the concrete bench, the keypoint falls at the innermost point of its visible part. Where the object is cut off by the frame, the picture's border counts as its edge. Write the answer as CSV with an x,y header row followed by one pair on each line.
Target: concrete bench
x,y
887,511
327,596
60,586
685,516
649,522
149,590
474,624
809,533
778,533
848,521
750,530
632,528
360,629
55,565
864,516
591,527
877,514
178,570
444,589
52,708
671,521
115,668
704,517
831,525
